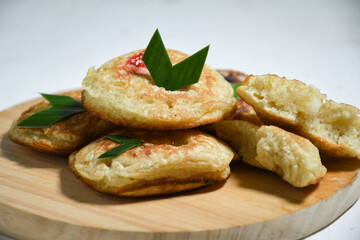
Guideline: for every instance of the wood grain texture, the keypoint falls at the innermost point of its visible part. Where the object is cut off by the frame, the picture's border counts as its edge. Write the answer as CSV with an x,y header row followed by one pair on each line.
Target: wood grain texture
x,y
41,199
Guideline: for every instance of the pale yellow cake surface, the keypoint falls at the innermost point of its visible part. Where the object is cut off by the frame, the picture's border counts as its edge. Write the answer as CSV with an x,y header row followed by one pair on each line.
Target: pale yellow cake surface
x,y
168,162
292,157
132,99
63,137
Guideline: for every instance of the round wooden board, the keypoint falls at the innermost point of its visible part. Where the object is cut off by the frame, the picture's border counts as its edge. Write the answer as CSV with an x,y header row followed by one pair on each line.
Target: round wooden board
x,y
41,199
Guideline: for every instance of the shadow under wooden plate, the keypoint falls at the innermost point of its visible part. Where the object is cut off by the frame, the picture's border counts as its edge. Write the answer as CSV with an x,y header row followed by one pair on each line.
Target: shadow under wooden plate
x,y
41,199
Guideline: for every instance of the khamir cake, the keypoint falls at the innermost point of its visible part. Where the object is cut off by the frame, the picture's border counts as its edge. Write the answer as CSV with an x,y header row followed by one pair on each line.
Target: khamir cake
x,y
143,89
292,157
63,136
160,162
333,127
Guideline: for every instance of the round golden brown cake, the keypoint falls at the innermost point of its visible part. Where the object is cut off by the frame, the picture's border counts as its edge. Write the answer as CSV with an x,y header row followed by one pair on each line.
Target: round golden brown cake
x,y
168,162
126,95
64,136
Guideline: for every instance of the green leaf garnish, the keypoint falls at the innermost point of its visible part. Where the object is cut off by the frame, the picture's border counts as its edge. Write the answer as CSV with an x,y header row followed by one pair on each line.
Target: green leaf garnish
x,y
126,144
235,86
61,107
166,75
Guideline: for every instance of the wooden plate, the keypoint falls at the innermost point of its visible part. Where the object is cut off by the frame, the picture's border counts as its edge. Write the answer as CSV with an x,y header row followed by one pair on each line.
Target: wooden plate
x,y
41,199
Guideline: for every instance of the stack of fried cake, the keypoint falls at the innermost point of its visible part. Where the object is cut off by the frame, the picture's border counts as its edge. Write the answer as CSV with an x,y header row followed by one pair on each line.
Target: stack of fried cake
x,y
174,157
177,154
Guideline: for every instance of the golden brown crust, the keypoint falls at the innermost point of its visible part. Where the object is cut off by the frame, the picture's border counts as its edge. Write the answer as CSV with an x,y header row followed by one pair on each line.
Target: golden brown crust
x,y
245,112
62,137
132,100
40,145
161,186
168,162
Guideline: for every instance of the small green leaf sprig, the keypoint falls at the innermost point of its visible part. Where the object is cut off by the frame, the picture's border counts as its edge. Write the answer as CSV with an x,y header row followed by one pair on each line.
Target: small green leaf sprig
x,y
126,144
235,86
61,107
166,75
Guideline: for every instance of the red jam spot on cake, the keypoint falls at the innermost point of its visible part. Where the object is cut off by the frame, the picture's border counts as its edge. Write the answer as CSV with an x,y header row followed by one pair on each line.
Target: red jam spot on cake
x,y
136,65
136,60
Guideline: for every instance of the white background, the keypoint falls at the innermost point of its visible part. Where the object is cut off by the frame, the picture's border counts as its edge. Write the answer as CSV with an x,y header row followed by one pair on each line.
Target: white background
x,y
47,46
